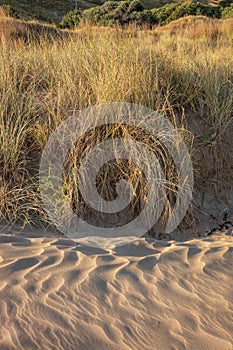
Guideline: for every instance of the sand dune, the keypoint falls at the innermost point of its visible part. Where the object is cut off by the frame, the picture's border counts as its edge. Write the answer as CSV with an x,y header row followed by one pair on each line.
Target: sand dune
x,y
57,294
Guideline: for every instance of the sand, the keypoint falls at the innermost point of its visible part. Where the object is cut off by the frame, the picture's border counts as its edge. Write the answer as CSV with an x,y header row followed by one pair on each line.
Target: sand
x,y
57,294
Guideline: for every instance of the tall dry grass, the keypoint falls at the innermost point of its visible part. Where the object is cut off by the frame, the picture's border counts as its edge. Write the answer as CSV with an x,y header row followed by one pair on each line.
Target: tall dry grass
x,y
183,73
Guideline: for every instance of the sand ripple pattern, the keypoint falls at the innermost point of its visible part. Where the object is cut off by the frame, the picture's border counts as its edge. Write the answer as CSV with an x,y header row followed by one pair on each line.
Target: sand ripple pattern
x,y
57,294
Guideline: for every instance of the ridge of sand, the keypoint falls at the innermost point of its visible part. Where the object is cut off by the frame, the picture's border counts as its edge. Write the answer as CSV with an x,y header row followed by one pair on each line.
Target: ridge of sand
x,y
57,294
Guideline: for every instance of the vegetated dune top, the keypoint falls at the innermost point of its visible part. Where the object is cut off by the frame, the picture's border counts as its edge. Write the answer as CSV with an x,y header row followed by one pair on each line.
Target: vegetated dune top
x,y
16,29
48,10
188,21
56,293
196,24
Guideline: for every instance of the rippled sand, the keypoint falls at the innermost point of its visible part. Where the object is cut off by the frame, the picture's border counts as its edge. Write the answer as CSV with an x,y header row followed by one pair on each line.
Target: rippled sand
x,y
56,294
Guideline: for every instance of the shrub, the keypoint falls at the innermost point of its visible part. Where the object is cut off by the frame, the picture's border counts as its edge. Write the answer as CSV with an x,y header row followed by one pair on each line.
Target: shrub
x,y
225,3
135,6
70,20
120,13
227,12
163,13
145,17
132,11
171,12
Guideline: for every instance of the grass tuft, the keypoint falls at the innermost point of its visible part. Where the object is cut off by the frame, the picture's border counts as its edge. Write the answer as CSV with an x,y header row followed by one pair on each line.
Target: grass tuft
x,y
183,70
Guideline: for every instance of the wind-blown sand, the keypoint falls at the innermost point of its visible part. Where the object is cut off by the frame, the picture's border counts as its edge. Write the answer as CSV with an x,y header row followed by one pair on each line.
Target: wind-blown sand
x,y
57,294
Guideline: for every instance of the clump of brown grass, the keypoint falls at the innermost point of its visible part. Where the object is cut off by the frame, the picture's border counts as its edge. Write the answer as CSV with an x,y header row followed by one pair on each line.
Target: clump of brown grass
x,y
197,27
42,81
12,30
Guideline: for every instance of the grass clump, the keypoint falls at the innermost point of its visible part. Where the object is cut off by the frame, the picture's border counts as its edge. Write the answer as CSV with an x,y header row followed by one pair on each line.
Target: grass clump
x,y
42,82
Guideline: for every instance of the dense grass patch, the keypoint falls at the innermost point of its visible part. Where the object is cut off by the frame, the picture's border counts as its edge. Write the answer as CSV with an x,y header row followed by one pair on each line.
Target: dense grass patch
x,y
180,73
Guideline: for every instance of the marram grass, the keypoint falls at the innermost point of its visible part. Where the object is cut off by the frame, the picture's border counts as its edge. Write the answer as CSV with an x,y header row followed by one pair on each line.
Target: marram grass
x,y
179,72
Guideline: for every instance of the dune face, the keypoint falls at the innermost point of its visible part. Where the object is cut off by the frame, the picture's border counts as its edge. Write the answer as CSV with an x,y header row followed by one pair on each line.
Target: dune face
x,y
57,294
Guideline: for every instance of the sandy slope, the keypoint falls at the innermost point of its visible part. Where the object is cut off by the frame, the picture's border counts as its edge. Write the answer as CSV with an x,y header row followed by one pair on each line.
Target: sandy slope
x,y
56,294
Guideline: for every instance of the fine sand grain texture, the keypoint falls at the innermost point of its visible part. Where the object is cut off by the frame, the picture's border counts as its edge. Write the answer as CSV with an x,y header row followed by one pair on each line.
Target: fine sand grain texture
x,y
57,294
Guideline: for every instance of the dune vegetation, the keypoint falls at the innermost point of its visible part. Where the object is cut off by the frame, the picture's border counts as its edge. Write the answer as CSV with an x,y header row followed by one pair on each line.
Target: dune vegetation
x,y
124,13
54,10
183,70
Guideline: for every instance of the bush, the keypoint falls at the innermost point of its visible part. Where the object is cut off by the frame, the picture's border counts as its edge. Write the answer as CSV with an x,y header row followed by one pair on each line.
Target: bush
x,y
227,12
171,12
135,6
163,13
70,20
145,17
225,3
120,13
132,11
